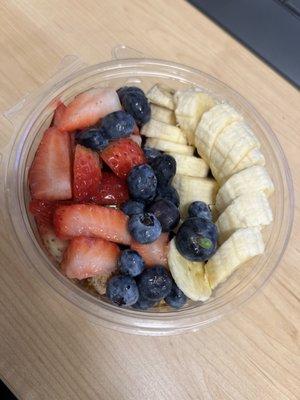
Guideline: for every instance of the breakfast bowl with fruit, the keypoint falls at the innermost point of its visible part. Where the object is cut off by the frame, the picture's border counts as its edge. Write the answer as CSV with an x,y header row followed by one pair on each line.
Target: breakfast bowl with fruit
x,y
148,194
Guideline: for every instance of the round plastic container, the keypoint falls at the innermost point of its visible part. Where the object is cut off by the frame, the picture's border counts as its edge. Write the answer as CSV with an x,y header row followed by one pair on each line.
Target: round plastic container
x,y
32,116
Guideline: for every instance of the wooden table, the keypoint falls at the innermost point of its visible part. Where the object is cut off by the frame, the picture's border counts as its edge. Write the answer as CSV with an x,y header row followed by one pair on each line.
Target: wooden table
x,y
49,352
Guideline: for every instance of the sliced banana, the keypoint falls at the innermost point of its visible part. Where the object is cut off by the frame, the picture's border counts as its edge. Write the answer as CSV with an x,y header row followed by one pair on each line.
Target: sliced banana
x,y
162,114
167,146
241,246
190,105
253,179
189,275
163,131
191,189
211,125
190,165
254,157
230,147
161,96
214,212
247,210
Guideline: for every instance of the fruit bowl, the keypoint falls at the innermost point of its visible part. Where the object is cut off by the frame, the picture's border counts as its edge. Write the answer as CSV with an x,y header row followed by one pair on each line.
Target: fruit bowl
x,y
32,116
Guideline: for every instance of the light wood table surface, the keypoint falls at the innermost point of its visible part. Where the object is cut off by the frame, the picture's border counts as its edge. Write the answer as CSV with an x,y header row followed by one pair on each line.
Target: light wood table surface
x,y
47,351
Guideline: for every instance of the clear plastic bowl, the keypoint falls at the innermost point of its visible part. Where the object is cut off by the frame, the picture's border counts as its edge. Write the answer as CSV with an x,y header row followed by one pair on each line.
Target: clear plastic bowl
x,y
32,116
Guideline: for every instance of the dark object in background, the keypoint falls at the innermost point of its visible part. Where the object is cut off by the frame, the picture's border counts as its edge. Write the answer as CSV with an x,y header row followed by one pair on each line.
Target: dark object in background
x,y
270,28
5,394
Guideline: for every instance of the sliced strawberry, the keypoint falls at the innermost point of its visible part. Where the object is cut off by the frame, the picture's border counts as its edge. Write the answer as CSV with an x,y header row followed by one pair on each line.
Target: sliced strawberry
x,y
60,109
43,210
86,257
122,155
88,107
50,172
154,253
112,190
136,138
87,174
91,220
53,245
136,130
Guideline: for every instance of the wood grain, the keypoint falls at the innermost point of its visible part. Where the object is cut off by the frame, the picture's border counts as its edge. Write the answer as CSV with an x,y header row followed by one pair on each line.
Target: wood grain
x,y
48,350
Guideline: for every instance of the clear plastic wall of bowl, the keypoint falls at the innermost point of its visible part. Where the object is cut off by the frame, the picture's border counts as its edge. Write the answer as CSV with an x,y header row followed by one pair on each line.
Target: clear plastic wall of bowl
x,y
32,115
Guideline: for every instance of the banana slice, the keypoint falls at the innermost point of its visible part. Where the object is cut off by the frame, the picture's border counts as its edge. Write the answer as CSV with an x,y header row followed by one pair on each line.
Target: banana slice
x,y
191,189
253,179
161,96
241,246
189,275
163,131
190,165
162,114
211,124
190,105
254,157
247,210
167,146
230,147
214,212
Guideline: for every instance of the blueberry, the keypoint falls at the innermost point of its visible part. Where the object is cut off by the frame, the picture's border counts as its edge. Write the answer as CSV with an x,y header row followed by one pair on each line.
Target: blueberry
x,y
122,290
131,263
164,168
151,153
132,207
196,239
168,193
167,214
142,182
135,103
155,283
144,304
176,298
144,227
118,124
93,138
199,209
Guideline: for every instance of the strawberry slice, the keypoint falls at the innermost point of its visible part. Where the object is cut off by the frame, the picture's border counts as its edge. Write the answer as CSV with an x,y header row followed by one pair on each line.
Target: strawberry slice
x,y
50,172
91,220
122,155
87,108
87,173
112,190
87,257
60,109
154,253
43,210
136,138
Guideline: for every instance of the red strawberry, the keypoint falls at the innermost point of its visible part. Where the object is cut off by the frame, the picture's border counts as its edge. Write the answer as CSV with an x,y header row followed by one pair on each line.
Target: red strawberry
x,y
136,138
86,257
50,172
60,109
154,253
122,155
87,173
112,190
88,107
91,220
43,210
